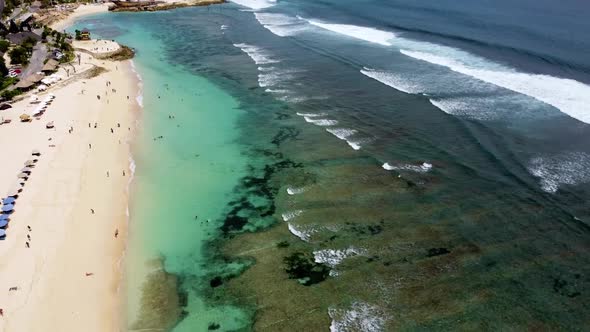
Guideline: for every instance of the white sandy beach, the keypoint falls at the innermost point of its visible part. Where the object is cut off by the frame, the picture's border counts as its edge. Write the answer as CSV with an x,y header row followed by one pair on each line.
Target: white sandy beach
x,y
82,10
68,280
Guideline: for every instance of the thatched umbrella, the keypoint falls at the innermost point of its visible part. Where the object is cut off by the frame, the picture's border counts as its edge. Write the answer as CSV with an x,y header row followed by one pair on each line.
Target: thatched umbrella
x,y
49,125
23,176
29,163
36,152
25,117
27,170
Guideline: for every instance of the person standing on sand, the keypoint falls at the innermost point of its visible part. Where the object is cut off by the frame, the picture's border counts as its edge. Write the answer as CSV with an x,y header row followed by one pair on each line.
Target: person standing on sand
x,y
116,233
92,211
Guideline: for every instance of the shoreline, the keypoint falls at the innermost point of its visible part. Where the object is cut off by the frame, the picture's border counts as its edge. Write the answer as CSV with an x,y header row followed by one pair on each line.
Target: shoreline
x,y
73,208
79,12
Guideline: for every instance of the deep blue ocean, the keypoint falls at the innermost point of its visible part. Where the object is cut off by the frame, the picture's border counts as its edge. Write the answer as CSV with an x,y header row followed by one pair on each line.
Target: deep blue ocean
x,y
402,165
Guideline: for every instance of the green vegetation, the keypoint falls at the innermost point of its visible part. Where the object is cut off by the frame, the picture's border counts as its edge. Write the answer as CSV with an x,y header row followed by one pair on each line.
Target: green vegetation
x,y
9,94
7,81
4,45
19,55
29,43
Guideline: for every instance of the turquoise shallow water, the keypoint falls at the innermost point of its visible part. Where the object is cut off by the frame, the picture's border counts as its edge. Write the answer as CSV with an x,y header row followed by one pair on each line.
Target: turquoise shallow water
x,y
188,163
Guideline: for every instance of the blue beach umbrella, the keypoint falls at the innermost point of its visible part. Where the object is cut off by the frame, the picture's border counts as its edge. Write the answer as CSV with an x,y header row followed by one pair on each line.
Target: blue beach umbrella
x,y
3,223
2,233
4,217
7,208
8,200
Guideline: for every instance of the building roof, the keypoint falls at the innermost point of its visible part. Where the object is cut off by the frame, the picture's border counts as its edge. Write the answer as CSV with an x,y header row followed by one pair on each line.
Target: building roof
x,y
50,65
18,38
24,84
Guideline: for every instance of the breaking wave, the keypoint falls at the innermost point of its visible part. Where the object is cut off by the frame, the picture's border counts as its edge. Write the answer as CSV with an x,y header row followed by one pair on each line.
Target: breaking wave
x,y
257,54
564,169
423,168
290,215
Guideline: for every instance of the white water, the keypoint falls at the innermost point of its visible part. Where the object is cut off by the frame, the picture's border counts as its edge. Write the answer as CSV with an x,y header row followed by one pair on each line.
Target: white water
x,y
567,95
295,191
257,54
423,168
291,214
300,232
255,4
280,24
320,122
360,317
564,169
363,33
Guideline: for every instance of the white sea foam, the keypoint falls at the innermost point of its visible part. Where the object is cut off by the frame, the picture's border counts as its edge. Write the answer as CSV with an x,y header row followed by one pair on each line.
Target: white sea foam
x,y
567,95
311,115
257,54
304,233
291,214
295,191
320,122
423,168
333,257
393,80
224,27
367,34
568,168
280,24
354,145
344,134
269,79
255,4
341,133
360,317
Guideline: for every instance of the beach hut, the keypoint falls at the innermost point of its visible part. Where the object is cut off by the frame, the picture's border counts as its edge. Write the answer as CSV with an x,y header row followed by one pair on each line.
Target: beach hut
x,y
7,208
2,233
24,84
8,200
35,152
3,223
50,65
85,34
25,118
